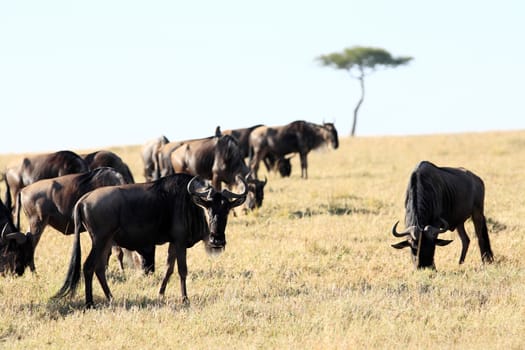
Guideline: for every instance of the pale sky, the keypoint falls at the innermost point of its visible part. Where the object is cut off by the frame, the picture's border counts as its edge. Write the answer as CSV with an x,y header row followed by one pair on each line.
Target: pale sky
x,y
94,74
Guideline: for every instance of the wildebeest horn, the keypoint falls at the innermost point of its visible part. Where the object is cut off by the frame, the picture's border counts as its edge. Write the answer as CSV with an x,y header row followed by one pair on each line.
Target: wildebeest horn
x,y
193,190
230,195
19,236
265,180
3,231
407,232
248,176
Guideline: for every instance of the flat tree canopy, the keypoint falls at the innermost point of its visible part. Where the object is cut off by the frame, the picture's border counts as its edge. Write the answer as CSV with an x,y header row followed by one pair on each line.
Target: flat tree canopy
x,y
360,61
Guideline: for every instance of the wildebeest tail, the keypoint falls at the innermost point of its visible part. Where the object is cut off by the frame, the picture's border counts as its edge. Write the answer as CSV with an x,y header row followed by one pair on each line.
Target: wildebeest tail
x,y
8,201
18,208
73,272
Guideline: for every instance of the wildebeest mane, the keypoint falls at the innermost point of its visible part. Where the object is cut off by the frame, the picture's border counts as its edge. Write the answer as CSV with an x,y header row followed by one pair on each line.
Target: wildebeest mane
x,y
313,136
175,186
228,147
427,197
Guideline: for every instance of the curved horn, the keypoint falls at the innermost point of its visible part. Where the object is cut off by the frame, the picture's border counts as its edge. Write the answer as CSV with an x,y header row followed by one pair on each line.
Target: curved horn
x,y
18,236
248,176
265,180
193,190
230,195
3,231
407,232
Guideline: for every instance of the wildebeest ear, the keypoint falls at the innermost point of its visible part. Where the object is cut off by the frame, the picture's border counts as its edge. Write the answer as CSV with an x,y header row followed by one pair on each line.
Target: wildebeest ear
x,y
401,245
443,242
18,236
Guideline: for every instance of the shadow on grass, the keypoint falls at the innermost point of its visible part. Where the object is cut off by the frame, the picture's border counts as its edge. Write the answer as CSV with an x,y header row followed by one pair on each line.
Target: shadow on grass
x,y
60,308
494,226
335,210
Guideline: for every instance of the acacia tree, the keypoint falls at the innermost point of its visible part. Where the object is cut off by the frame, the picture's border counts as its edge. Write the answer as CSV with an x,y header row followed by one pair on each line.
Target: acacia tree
x,y
359,62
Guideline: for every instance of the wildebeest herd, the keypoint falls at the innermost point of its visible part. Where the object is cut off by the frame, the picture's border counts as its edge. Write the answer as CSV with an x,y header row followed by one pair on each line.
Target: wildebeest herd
x,y
183,200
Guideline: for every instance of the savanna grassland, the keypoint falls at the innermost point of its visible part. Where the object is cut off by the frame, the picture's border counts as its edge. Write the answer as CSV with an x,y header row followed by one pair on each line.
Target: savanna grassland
x,y
313,268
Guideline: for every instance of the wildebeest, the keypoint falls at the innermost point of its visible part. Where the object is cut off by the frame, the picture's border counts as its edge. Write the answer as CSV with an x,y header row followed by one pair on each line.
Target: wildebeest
x,y
440,199
149,157
38,167
109,159
271,161
51,202
163,157
16,249
242,136
297,137
171,209
218,159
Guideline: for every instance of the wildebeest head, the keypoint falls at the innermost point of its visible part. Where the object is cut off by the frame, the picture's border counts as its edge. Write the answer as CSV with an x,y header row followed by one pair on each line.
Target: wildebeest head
x,y
330,134
422,243
217,206
284,166
255,196
16,252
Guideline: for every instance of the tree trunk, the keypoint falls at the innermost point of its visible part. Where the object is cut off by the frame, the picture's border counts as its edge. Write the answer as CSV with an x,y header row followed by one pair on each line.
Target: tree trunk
x,y
356,109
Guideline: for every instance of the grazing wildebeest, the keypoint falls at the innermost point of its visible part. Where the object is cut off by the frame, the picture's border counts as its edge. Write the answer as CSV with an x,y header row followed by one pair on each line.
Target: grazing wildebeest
x,y
440,199
51,202
279,164
297,137
163,158
218,159
109,159
38,167
271,161
16,249
171,209
242,136
149,157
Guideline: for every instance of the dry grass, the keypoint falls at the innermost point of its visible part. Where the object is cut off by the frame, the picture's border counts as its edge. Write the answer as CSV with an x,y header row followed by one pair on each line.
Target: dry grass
x,y
313,268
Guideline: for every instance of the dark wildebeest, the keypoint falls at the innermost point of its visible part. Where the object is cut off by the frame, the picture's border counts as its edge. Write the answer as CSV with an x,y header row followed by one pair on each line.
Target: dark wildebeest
x,y
38,167
149,157
271,161
440,199
16,249
171,209
297,137
218,159
51,202
109,159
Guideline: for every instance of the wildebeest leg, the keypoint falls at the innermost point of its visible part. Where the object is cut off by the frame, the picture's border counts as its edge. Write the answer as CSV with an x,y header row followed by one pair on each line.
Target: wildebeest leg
x,y
36,227
148,258
119,254
304,166
465,242
95,255
258,155
182,267
216,182
480,225
169,271
100,271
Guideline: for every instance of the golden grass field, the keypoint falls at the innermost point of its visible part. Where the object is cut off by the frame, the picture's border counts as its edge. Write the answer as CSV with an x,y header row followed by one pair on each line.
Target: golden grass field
x,y
313,268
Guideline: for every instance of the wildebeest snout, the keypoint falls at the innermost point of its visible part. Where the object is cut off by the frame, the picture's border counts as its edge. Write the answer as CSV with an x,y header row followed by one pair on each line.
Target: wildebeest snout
x,y
216,242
